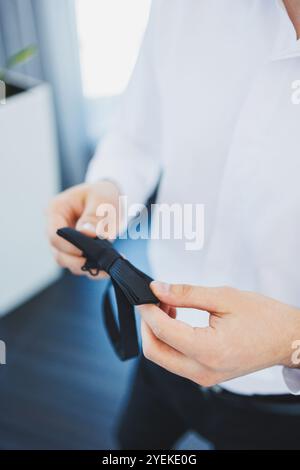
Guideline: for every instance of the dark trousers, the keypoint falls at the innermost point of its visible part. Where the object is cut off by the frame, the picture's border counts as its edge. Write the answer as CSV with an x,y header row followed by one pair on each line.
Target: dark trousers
x,y
162,407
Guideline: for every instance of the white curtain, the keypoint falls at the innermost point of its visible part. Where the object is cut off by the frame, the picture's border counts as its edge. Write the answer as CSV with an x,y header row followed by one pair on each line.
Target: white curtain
x,y
51,26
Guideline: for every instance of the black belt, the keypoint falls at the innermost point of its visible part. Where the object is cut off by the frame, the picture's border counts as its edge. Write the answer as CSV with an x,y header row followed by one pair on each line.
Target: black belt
x,y
275,399
274,402
132,287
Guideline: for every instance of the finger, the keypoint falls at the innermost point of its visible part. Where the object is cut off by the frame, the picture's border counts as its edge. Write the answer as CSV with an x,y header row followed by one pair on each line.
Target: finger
x,y
88,219
55,222
177,334
64,211
100,199
212,299
74,264
168,309
167,357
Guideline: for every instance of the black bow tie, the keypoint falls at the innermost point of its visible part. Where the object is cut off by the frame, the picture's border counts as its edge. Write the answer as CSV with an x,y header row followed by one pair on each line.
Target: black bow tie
x,y
131,288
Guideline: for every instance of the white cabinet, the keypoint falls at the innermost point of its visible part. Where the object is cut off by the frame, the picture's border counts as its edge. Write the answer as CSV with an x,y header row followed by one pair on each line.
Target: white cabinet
x,y
29,177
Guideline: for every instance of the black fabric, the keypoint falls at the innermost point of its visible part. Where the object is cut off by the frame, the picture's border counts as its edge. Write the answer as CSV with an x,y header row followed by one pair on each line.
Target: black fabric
x,y
163,406
123,336
132,287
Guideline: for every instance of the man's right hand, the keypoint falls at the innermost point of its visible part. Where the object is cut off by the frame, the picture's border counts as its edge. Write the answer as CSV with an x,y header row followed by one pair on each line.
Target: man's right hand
x,y
77,207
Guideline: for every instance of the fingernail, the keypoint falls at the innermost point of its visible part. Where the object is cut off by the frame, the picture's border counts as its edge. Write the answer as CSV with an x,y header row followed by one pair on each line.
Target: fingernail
x,y
160,287
88,226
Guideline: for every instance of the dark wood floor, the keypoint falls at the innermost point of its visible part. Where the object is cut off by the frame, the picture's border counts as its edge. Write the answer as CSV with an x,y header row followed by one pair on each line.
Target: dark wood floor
x,y
62,387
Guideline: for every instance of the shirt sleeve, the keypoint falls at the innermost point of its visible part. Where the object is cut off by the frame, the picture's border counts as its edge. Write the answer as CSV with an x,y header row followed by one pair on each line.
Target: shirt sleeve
x,y
292,379
129,155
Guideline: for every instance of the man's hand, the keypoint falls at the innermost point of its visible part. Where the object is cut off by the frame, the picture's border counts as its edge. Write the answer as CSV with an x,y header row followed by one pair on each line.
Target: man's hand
x,y
247,332
77,208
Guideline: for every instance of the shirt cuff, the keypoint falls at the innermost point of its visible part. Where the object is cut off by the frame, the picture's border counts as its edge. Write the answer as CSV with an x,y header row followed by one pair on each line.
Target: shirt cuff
x,y
292,379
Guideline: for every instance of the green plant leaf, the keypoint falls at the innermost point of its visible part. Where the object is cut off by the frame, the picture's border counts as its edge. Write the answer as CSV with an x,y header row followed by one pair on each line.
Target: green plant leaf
x,y
22,56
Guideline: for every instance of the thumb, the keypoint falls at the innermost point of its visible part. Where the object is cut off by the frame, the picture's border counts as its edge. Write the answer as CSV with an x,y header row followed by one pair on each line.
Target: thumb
x,y
211,299
88,219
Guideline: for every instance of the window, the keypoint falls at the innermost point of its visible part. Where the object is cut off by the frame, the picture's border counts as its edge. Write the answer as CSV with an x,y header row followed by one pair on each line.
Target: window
x,y
110,34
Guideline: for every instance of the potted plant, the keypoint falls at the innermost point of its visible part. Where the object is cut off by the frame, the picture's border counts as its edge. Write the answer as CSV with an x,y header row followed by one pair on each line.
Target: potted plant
x,y
21,57
29,177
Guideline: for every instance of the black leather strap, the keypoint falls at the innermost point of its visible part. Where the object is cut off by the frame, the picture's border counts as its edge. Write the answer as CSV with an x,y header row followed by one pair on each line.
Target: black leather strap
x,y
131,286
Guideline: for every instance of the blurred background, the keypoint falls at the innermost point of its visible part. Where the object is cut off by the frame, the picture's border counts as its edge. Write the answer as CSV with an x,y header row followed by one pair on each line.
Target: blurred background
x,y
65,64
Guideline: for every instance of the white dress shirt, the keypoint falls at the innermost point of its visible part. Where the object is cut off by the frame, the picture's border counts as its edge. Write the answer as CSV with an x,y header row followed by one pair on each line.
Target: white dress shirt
x,y
210,105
